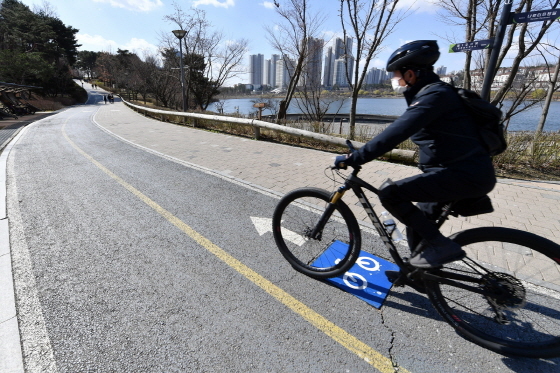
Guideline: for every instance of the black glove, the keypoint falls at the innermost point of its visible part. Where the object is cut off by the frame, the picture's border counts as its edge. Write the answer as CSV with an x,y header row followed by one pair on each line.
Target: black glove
x,y
340,162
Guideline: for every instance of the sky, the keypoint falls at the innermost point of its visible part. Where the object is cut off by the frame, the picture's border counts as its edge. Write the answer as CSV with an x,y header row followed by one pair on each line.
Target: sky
x,y
137,25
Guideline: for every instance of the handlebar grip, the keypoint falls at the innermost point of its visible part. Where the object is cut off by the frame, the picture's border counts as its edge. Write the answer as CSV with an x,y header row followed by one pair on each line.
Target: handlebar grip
x,y
341,166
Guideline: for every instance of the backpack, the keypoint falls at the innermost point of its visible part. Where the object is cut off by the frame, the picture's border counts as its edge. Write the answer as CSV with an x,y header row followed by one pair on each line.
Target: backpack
x,y
488,119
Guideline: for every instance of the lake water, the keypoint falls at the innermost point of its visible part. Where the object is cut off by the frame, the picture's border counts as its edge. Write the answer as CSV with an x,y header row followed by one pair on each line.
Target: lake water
x,y
524,121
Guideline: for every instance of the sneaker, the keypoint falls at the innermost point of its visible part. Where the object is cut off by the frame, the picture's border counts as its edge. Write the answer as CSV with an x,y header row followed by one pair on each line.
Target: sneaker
x,y
436,253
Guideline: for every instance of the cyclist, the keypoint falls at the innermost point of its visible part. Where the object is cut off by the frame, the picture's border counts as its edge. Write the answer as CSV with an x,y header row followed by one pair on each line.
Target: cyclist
x,y
455,165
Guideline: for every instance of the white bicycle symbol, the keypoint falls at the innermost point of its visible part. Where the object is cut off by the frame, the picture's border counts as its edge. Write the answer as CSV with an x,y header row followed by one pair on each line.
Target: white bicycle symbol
x,y
357,281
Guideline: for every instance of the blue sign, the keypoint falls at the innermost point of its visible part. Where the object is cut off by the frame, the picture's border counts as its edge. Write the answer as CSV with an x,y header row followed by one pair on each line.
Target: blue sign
x,y
471,46
366,279
539,15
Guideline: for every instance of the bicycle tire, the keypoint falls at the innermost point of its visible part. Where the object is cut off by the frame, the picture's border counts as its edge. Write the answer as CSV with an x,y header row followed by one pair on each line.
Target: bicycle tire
x,y
522,316
338,247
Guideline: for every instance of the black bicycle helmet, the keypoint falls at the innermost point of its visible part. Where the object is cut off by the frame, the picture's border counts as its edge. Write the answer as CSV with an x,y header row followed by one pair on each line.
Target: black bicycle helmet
x,y
414,55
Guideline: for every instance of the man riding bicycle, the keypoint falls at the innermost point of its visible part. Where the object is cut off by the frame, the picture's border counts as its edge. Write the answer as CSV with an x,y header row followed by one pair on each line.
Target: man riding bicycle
x,y
454,162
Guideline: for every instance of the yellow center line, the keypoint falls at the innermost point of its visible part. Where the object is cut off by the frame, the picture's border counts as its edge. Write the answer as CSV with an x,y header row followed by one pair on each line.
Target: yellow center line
x,y
368,354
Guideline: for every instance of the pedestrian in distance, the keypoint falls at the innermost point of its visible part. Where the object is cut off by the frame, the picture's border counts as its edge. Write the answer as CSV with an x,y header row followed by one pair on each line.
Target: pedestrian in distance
x,y
105,99
454,162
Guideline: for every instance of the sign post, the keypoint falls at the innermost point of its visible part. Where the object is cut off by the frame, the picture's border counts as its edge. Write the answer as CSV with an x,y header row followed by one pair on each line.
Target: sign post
x,y
257,130
497,46
507,18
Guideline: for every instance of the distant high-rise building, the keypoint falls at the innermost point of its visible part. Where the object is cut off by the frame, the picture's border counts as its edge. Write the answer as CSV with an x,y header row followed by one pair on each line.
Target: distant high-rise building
x,y
342,47
442,70
284,71
376,76
272,70
266,72
335,68
312,69
328,68
339,72
256,68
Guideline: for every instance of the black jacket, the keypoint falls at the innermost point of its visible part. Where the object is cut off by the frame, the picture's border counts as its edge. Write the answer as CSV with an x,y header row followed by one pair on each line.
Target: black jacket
x,y
436,120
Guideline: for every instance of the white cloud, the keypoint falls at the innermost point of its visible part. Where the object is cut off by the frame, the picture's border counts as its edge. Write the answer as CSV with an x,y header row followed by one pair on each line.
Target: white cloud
x,y
268,4
95,43
429,6
137,5
139,46
216,3
379,63
98,43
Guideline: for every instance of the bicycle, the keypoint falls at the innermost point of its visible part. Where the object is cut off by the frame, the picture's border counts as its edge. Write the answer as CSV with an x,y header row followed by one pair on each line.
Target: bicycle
x,y
512,312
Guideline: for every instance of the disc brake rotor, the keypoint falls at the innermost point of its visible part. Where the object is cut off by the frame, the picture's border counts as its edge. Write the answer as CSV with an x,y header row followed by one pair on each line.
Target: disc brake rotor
x,y
505,292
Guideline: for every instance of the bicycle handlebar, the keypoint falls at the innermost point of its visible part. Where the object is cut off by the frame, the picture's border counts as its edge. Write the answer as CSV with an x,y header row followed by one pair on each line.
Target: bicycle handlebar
x,y
350,146
351,149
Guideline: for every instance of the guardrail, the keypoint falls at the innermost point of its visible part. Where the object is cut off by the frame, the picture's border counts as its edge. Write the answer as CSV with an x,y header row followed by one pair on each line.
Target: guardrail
x,y
257,125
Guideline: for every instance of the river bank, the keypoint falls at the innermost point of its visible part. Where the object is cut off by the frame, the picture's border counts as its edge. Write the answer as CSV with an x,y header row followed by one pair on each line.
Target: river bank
x,y
524,121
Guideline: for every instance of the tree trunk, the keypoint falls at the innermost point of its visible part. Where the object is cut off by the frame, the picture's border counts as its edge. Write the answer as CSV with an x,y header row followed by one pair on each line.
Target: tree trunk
x,y
468,38
551,89
282,110
467,71
352,119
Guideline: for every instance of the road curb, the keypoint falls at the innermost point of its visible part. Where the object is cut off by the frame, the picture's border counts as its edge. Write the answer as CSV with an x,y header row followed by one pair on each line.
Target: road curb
x,y
11,357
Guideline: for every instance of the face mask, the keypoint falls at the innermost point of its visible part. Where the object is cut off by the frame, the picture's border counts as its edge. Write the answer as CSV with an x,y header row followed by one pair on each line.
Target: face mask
x,y
397,87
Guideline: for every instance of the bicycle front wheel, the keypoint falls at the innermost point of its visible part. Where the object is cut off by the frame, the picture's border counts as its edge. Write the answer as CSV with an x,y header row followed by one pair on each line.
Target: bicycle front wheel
x,y
516,310
333,251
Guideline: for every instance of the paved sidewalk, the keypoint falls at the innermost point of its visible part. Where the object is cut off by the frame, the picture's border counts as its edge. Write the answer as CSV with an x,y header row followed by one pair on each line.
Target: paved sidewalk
x,y
530,206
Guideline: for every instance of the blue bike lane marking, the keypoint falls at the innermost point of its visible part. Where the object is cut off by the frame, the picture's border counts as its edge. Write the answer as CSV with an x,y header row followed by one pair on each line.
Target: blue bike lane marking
x,y
366,279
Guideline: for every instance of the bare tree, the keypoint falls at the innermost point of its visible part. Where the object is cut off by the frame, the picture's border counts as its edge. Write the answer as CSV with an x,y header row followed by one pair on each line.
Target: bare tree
x,y
480,18
552,87
161,82
270,104
292,38
221,59
46,9
369,23
465,13
529,35
315,103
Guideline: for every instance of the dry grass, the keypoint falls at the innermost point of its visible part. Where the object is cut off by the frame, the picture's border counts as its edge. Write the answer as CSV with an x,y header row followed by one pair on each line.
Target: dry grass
x,y
52,104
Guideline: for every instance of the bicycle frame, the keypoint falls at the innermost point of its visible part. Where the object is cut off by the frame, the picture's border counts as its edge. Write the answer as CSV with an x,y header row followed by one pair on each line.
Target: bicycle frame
x,y
357,185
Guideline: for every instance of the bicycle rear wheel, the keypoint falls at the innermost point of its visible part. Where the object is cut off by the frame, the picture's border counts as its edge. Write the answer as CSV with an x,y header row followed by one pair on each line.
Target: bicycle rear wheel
x,y
329,255
519,312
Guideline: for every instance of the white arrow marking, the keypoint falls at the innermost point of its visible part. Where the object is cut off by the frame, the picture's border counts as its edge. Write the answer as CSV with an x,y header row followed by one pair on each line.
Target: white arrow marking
x,y
264,225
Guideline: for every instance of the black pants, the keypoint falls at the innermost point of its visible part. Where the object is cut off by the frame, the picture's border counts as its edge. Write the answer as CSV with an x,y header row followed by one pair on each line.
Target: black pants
x,y
433,189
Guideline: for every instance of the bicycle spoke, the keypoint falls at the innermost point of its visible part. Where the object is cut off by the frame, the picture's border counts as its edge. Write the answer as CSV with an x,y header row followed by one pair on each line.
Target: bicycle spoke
x,y
518,309
323,254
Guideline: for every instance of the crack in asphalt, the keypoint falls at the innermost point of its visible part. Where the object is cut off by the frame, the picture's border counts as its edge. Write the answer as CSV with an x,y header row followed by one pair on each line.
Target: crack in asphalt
x,y
390,350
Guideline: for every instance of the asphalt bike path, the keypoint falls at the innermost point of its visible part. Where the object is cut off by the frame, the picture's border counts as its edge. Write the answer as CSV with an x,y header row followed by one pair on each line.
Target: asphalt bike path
x,y
259,172
525,205
111,284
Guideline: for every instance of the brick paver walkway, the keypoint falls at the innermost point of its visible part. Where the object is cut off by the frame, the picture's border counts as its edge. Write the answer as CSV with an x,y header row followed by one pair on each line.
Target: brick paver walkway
x,y
529,206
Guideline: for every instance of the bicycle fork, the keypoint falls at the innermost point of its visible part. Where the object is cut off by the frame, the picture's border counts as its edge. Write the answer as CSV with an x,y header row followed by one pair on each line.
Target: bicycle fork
x,y
317,232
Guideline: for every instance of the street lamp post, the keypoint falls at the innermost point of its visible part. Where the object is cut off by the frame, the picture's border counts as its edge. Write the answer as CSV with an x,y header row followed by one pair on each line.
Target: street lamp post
x,y
180,34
